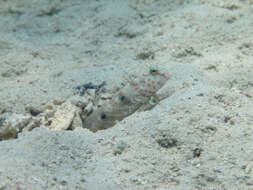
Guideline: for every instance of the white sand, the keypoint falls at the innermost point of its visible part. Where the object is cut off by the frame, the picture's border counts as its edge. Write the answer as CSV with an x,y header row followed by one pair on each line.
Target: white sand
x,y
49,47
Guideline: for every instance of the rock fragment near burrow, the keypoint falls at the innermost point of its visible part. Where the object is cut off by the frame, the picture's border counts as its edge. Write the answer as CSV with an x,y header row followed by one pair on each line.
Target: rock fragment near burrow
x,y
11,124
63,116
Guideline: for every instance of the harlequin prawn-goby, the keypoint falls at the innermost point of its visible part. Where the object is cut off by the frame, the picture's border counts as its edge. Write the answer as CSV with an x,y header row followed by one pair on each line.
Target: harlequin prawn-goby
x,y
126,100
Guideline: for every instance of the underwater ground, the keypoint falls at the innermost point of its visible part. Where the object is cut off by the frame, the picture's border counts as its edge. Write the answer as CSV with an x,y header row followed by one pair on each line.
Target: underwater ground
x,y
199,137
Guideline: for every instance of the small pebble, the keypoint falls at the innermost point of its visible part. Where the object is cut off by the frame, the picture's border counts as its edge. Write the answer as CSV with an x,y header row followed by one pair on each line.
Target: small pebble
x,y
197,152
33,111
64,182
49,107
119,148
58,101
167,142
218,170
248,169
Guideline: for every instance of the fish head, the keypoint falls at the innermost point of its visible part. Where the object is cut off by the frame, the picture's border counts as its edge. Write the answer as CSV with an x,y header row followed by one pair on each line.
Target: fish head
x,y
106,116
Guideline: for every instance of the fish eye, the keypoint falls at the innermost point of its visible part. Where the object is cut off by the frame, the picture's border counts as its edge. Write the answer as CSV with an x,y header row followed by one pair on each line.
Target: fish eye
x,y
122,98
103,116
153,71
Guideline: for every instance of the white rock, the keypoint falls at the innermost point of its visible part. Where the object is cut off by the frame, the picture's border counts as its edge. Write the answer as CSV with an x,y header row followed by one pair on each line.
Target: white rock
x,y
77,122
63,117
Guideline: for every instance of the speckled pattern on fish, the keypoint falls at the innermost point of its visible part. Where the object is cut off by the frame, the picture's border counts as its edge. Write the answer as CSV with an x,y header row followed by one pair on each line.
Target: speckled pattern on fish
x,y
126,101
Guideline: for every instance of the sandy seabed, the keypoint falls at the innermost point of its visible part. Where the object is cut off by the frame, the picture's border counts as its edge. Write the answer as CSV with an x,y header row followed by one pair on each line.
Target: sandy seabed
x,y
200,137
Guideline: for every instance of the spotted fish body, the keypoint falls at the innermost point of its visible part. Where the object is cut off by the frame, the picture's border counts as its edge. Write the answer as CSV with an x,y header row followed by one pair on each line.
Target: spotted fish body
x,y
142,89
126,101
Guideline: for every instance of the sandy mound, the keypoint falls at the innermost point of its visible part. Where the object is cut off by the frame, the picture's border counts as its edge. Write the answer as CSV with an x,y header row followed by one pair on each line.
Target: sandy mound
x,y
199,137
